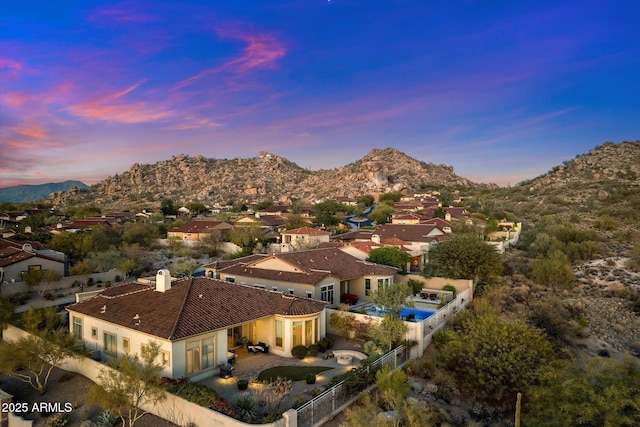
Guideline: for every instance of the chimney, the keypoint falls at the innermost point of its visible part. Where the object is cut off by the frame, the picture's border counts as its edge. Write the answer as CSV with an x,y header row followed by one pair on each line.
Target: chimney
x,y
375,238
163,280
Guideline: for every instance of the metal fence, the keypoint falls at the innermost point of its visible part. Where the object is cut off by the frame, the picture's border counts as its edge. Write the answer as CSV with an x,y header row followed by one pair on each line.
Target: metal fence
x,y
332,401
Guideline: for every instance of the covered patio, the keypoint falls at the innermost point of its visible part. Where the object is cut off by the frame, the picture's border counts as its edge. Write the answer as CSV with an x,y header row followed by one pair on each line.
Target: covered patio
x,y
248,366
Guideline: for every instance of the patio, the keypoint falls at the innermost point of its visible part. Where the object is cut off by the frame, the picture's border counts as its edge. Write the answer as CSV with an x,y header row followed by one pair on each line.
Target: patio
x,y
249,365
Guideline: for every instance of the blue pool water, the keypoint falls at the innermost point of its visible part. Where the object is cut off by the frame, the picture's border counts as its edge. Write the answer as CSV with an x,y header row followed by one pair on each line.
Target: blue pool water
x,y
419,314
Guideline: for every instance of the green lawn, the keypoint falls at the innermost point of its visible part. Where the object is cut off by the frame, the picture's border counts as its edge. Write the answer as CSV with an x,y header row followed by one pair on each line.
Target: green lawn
x,y
294,373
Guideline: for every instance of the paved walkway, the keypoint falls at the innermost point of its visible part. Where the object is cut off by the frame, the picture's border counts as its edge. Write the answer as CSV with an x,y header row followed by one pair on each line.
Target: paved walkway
x,y
249,365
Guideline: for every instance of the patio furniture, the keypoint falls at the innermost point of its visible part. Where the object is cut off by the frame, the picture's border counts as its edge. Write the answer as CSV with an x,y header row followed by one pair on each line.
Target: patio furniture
x,y
350,299
231,357
257,348
226,371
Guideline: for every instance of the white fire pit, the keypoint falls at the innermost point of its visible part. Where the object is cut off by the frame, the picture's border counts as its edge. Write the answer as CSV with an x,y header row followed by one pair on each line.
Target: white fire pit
x,y
344,359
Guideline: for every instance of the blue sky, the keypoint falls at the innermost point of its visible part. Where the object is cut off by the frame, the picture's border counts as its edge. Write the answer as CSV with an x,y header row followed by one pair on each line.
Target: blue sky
x,y
501,90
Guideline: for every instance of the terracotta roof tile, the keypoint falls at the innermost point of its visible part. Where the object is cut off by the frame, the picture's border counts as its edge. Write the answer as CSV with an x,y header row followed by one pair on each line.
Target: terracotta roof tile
x,y
190,307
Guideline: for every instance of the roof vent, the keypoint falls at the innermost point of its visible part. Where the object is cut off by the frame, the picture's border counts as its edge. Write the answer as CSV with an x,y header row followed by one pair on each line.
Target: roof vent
x,y
163,280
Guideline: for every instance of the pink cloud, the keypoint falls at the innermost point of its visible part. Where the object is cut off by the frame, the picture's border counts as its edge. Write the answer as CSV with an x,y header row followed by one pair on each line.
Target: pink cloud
x,y
110,108
10,67
125,12
262,51
32,131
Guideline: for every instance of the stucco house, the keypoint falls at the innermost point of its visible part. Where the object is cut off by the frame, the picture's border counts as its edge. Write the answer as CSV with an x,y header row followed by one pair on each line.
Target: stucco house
x,y
17,258
199,229
196,321
326,274
305,237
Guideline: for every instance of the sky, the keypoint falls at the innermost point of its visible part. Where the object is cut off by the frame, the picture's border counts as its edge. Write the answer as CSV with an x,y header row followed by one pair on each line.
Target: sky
x,y
501,90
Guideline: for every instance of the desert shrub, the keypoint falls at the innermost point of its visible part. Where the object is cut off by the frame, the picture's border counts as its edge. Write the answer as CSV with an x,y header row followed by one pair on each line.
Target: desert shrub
x,y
299,352
58,420
246,406
450,288
330,340
313,350
193,392
322,346
311,378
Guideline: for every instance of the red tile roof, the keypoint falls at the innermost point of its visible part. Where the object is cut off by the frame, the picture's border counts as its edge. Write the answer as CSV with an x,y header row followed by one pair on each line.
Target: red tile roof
x,y
192,306
307,230
200,226
314,264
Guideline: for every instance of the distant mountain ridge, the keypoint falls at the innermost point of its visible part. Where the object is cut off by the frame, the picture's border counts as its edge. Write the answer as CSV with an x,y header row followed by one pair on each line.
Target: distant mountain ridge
x,y
189,179
30,193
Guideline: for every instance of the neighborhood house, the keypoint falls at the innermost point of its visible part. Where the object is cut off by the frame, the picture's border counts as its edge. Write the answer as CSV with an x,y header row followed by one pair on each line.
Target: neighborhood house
x,y
196,321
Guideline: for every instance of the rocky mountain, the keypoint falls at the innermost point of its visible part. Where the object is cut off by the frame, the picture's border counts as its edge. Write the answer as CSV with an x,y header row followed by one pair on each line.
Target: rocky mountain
x,y
29,193
187,179
603,183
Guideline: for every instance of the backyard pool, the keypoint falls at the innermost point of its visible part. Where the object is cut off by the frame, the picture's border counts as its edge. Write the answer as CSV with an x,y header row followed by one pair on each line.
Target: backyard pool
x,y
405,313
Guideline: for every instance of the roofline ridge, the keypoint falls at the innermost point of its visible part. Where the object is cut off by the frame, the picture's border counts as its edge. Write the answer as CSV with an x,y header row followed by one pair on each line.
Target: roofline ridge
x,y
180,312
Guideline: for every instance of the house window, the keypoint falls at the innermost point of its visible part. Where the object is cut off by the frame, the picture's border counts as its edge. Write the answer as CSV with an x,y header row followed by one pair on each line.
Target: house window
x,y
380,282
199,355
297,333
291,291
308,332
94,333
193,357
77,327
126,347
317,329
260,286
34,268
207,353
367,287
230,279
110,345
386,282
166,357
279,333
326,293
274,288
309,294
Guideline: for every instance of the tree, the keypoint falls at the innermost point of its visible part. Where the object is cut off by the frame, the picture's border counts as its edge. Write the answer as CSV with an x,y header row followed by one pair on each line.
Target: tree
x,y
604,392
245,236
137,232
392,386
184,269
126,265
366,200
327,212
7,312
393,297
167,207
33,278
381,213
50,276
389,332
196,208
32,357
130,382
263,204
390,255
465,257
82,268
393,196
493,358
296,221
554,271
